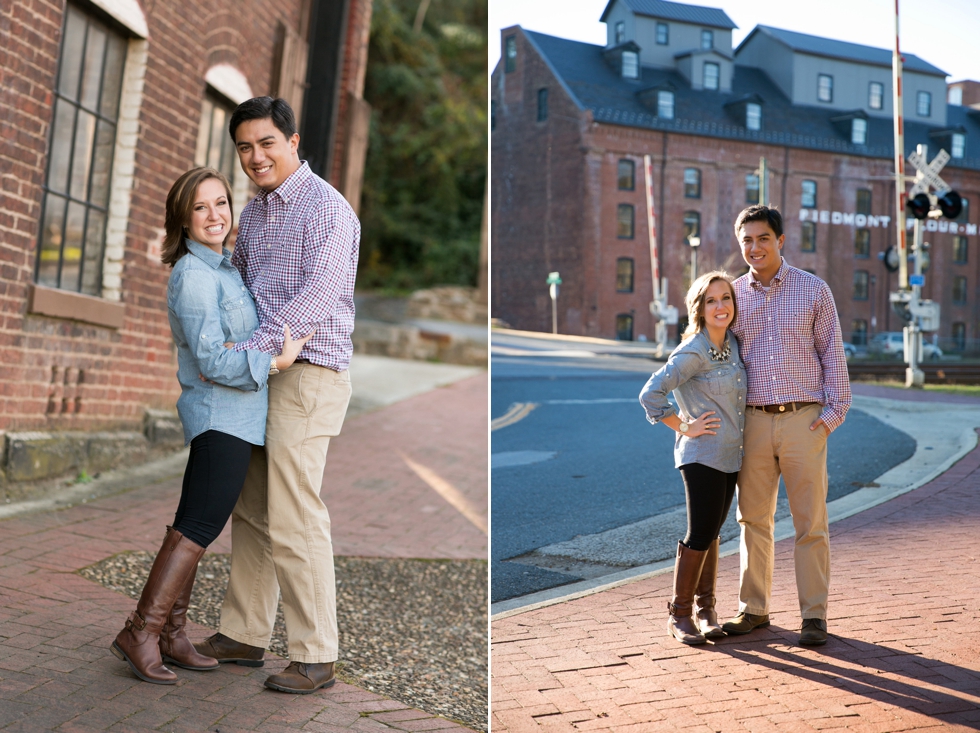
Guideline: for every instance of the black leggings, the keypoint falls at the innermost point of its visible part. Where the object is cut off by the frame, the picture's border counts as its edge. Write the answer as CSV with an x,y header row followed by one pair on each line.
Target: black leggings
x,y
212,482
709,495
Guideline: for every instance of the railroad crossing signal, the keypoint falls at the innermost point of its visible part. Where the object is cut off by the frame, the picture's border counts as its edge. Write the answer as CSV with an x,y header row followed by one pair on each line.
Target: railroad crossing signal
x,y
920,202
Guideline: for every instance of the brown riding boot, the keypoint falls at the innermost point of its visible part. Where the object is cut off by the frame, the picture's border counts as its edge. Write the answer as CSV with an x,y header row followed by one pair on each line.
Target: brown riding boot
x,y
175,647
687,572
704,595
139,641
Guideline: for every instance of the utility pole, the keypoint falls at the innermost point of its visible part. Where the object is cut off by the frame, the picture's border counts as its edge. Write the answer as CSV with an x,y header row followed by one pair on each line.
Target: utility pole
x,y
665,314
763,181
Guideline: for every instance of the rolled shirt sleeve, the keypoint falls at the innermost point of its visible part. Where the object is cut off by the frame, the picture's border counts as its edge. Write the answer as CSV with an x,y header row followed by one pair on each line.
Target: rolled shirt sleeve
x,y
680,367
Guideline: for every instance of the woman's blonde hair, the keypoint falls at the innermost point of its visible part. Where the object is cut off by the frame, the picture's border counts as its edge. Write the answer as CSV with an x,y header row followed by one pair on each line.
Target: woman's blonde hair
x,y
694,300
180,205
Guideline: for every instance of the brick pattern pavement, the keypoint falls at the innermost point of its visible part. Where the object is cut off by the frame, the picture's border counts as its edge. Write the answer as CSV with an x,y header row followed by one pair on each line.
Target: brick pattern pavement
x,y
56,671
903,653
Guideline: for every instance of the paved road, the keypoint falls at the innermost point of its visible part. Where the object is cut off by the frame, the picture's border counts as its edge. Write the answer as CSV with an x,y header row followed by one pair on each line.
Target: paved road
x,y
584,461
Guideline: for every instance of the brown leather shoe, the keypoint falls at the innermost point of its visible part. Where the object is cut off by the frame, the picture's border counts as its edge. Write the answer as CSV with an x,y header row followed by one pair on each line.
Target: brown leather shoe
x,y
704,595
814,632
687,572
138,643
744,623
225,650
302,679
175,647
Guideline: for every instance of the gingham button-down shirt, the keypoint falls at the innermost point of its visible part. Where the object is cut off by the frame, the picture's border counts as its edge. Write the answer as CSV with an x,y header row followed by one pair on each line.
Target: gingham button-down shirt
x,y
791,343
297,252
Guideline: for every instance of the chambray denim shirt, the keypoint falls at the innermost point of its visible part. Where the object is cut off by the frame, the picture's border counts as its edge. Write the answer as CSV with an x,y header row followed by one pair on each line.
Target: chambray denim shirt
x,y
700,384
208,305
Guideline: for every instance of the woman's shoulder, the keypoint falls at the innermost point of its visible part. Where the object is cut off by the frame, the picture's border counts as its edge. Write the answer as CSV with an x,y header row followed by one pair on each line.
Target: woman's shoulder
x,y
695,344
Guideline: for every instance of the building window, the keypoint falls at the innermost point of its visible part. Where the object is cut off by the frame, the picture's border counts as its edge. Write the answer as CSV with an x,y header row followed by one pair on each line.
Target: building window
x,y
955,96
620,32
692,183
624,221
624,327
711,75
510,54
692,224
959,336
876,95
959,250
964,216
665,105
923,104
808,238
707,40
753,116
751,188
663,34
631,65
862,204
83,138
624,275
215,148
859,131
860,291
825,88
959,289
626,175
542,105
862,243
957,145
859,332
809,198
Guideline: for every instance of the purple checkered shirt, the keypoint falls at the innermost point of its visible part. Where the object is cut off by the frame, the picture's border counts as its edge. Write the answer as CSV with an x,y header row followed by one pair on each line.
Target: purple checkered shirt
x,y
297,252
791,343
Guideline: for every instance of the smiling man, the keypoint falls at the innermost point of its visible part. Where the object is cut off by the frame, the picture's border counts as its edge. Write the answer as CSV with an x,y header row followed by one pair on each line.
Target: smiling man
x,y
297,252
798,393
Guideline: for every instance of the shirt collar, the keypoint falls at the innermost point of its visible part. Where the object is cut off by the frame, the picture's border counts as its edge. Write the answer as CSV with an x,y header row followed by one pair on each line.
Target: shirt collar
x,y
206,254
778,277
289,188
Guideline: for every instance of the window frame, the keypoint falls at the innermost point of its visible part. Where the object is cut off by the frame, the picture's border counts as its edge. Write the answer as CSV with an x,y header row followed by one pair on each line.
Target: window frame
x,y
961,248
862,243
626,318
694,217
634,66
959,280
861,285
662,31
661,106
619,175
957,151
620,32
859,131
510,54
871,95
808,244
709,37
542,104
920,97
804,197
621,209
829,87
751,107
716,77
692,188
758,188
862,207
621,286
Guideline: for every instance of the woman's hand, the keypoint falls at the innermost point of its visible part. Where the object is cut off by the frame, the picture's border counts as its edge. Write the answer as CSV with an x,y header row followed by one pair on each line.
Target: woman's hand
x,y
291,348
704,425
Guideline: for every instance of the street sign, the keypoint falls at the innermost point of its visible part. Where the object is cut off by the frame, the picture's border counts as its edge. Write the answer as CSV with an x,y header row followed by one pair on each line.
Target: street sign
x,y
919,280
928,173
553,279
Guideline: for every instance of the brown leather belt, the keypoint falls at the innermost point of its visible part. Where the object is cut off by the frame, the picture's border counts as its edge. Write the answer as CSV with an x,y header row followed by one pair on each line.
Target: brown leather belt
x,y
785,407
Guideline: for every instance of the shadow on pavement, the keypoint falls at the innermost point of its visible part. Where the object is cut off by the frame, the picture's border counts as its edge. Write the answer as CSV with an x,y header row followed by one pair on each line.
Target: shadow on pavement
x,y
892,677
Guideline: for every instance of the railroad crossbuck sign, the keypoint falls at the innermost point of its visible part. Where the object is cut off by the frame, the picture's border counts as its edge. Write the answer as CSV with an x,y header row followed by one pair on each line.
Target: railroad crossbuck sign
x,y
928,173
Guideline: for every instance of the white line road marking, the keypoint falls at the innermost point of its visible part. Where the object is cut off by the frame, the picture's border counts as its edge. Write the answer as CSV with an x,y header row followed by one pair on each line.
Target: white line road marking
x,y
448,492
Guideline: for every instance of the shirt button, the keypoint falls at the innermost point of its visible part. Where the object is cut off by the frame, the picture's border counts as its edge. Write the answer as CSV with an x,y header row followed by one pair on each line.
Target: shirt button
x,y
241,301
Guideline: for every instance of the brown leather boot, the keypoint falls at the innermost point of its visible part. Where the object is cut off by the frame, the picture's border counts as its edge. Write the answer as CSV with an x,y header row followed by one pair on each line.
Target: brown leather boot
x,y
175,647
704,595
687,572
139,641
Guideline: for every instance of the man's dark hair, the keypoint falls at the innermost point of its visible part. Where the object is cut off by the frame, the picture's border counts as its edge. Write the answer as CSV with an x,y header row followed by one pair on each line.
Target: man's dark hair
x,y
759,212
260,108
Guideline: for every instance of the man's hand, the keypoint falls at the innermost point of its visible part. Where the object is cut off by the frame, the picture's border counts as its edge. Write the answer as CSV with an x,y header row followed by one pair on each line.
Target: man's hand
x,y
820,423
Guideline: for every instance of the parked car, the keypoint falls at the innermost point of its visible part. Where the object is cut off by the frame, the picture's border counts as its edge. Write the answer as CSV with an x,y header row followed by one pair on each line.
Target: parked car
x,y
850,351
892,343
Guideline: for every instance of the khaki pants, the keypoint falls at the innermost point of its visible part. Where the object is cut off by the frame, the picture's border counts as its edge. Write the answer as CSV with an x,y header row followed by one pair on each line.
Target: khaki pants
x,y
280,529
775,444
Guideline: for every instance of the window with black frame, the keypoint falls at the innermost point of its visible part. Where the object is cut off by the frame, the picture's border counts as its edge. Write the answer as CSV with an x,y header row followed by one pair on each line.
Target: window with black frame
x,y
215,147
808,237
83,138
624,275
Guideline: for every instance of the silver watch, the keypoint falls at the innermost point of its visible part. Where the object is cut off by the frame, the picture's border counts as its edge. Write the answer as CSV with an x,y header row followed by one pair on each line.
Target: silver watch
x,y
273,367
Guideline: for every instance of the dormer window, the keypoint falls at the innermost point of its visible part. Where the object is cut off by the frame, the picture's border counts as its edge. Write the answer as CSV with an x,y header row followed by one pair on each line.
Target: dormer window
x,y
958,145
753,116
923,104
712,75
825,88
665,105
620,32
859,131
631,65
707,40
876,95
663,34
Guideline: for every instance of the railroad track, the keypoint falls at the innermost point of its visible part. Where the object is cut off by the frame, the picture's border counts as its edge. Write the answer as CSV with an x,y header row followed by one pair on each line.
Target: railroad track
x,y
935,372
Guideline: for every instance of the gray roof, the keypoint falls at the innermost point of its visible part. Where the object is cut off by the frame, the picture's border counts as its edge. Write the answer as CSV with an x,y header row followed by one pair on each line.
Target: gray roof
x,y
697,14
828,47
594,85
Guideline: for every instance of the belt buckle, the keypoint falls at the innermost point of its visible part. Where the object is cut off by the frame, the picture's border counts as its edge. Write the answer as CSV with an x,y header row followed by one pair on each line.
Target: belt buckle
x,y
782,408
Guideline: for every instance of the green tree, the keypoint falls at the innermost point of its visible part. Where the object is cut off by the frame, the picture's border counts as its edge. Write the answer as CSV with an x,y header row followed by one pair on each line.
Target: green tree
x,y
427,159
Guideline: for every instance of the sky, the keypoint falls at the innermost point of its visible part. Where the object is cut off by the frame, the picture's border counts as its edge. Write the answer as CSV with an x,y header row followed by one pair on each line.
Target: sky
x,y
946,33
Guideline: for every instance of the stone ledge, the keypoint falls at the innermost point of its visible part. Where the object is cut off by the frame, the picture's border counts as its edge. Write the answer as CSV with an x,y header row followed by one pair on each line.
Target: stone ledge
x,y
404,341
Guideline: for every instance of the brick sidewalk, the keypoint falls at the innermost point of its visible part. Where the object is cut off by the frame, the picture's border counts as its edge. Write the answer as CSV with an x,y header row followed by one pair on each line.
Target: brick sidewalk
x,y
903,655
56,671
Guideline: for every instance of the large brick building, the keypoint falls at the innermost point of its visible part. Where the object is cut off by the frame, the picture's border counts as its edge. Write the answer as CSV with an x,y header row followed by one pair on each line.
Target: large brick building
x,y
572,121
104,103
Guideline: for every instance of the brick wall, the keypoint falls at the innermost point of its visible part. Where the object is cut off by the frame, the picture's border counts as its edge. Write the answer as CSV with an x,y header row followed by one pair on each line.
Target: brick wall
x,y
555,197
58,373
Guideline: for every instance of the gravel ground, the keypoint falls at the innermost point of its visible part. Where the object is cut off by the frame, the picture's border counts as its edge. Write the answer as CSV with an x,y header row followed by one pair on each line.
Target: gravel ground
x,y
412,630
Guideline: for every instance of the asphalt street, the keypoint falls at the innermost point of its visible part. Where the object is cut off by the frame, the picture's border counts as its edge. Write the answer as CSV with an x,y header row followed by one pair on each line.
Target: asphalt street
x,y
577,457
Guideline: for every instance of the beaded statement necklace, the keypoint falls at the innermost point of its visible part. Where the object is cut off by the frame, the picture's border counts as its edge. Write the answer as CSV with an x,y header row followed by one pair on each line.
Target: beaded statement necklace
x,y
722,355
